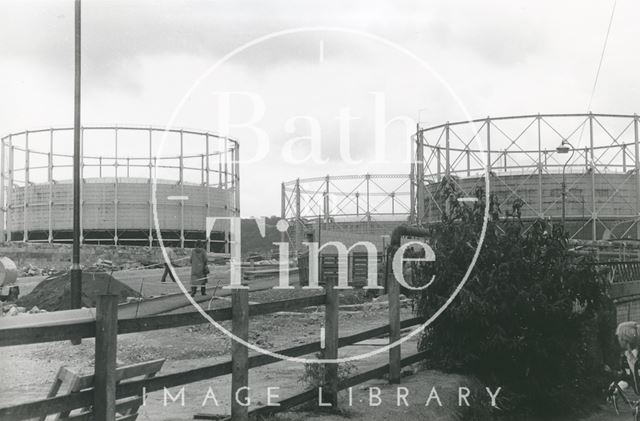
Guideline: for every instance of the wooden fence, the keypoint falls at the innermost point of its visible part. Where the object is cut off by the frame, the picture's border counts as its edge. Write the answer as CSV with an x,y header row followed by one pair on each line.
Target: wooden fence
x,y
625,287
106,328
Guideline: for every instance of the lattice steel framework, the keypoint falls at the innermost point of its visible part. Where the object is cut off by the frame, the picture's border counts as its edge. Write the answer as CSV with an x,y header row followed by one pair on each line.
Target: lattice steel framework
x,y
602,180
338,201
117,168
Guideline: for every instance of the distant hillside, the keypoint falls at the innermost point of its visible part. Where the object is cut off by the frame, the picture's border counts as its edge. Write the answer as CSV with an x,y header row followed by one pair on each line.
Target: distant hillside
x,y
253,242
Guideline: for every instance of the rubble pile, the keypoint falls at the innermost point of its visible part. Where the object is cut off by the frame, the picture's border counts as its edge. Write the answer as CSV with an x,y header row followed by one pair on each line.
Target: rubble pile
x,y
31,270
105,265
43,258
8,310
54,294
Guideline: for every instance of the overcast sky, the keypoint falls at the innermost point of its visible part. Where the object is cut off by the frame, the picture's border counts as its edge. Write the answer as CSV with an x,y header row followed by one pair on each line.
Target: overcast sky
x,y
457,59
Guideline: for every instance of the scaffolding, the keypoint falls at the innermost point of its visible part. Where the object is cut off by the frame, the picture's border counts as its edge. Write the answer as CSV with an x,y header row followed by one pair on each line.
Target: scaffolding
x,y
521,155
362,204
196,174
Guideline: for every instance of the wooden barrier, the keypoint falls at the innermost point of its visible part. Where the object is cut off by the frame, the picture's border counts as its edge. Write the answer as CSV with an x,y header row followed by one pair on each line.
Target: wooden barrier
x,y
395,354
308,395
330,352
105,328
106,349
240,355
85,328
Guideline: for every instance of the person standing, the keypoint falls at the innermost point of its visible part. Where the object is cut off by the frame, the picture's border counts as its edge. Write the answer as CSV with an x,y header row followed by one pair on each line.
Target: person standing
x,y
199,269
167,270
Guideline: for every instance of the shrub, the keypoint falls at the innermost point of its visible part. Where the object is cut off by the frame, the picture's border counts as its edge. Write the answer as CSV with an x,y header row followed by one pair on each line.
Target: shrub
x,y
526,319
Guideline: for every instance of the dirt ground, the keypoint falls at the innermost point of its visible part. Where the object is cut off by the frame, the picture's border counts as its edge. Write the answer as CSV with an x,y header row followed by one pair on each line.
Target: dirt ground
x,y
146,282
27,371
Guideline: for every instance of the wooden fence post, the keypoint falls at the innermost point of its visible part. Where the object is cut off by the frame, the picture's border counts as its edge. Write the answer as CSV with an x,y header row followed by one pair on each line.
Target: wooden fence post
x,y
395,353
239,355
330,386
105,366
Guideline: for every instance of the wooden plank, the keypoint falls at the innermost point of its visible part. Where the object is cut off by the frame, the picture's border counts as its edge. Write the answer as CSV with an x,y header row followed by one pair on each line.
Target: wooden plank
x,y
52,318
275,306
248,275
239,355
41,334
55,386
167,321
190,376
624,289
132,403
73,385
135,387
296,351
305,349
131,417
331,328
379,371
85,398
308,395
86,329
285,404
394,330
128,372
627,299
53,405
106,349
121,407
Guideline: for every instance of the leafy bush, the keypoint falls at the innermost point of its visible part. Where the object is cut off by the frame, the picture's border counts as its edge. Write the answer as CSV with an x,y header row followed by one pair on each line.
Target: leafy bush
x,y
526,319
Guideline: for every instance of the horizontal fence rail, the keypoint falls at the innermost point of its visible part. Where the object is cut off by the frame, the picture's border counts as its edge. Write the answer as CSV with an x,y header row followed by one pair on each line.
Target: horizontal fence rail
x,y
138,387
86,328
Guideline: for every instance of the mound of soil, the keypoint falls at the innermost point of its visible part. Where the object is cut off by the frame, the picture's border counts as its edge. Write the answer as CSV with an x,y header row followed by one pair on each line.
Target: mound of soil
x,y
53,293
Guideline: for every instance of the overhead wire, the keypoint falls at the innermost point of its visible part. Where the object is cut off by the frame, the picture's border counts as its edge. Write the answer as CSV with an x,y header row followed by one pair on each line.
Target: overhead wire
x,y
597,78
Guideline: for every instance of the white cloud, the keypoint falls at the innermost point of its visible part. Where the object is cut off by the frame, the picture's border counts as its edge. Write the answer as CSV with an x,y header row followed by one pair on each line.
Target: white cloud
x,y
141,57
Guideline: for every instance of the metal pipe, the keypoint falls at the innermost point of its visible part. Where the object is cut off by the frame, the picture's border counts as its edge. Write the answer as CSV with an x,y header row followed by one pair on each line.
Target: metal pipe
x,y
236,176
115,192
150,188
540,212
25,191
10,190
564,183
208,211
326,200
2,182
439,164
405,231
50,180
81,185
298,228
420,189
76,271
283,210
594,211
181,190
368,198
447,169
636,145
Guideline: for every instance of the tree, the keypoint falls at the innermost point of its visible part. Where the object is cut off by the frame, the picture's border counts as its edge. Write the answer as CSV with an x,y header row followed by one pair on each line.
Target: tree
x,y
527,316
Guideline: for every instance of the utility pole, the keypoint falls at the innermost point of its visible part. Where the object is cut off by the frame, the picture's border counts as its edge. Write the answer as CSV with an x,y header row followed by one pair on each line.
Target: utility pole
x,y
76,272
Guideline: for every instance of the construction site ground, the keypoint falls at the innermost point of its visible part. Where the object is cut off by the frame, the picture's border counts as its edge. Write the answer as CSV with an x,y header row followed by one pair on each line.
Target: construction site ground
x,y
29,370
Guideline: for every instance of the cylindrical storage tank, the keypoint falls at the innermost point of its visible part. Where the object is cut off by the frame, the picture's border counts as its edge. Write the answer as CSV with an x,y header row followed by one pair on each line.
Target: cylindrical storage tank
x,y
195,173
346,208
8,272
594,159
